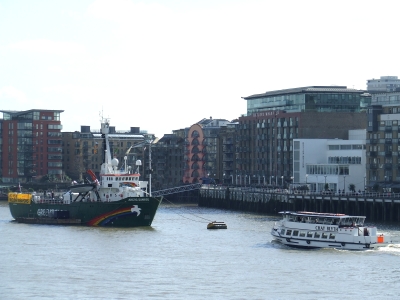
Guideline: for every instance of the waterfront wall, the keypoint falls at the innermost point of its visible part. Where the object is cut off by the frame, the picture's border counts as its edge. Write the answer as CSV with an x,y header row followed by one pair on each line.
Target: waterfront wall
x,y
375,208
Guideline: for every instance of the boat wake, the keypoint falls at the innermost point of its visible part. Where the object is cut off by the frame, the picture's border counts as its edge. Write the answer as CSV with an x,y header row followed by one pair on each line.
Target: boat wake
x,y
391,248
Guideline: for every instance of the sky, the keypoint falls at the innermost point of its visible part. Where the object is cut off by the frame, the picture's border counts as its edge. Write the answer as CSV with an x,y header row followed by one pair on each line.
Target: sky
x,y
163,65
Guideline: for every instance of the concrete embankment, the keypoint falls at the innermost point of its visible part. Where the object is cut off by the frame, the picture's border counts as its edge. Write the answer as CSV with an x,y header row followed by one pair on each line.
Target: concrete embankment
x,y
375,208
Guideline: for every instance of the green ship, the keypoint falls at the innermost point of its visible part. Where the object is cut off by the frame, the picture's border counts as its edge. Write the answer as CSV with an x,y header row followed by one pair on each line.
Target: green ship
x,y
118,199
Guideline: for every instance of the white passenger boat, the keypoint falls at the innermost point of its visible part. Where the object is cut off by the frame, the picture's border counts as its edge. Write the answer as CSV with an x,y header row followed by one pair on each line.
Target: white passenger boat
x,y
304,229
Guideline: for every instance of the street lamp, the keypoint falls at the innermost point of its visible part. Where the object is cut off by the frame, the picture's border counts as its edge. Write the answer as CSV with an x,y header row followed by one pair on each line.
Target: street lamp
x,y
365,182
306,178
384,187
282,181
325,183
263,179
291,182
344,183
270,180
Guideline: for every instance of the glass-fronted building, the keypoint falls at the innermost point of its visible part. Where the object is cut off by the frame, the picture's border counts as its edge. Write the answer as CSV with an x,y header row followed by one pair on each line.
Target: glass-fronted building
x,y
265,135
316,98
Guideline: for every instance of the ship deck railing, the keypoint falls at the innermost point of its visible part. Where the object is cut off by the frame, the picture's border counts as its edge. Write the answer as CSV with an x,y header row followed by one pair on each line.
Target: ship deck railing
x,y
56,200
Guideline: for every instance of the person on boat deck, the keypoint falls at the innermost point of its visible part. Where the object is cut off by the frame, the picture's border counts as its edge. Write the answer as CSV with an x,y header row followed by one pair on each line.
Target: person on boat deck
x,y
303,220
316,220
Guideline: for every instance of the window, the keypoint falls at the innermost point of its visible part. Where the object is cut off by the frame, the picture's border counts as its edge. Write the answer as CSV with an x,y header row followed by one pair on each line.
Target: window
x,y
324,235
317,235
295,232
332,236
302,234
288,232
310,234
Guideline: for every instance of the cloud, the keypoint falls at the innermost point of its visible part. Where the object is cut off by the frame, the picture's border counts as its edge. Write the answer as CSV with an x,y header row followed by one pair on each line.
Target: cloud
x,y
46,46
11,95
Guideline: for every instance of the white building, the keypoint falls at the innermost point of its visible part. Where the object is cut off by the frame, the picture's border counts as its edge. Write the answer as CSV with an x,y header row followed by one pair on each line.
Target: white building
x,y
383,84
337,163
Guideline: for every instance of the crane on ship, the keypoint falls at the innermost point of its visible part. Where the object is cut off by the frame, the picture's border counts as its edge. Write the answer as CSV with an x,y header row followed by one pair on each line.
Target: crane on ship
x,y
169,191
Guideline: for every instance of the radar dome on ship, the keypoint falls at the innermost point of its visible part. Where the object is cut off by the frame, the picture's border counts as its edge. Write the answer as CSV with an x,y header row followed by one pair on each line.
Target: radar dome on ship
x,y
114,162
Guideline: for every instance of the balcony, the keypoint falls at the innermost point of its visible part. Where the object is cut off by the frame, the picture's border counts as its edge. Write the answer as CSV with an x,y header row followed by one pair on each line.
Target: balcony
x,y
388,166
388,128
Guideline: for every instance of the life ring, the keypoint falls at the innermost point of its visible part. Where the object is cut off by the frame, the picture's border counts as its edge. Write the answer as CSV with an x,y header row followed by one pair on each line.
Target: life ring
x,y
343,244
308,242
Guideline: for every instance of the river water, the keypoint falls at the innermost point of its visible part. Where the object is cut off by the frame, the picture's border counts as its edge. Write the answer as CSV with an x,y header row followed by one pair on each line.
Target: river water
x,y
178,258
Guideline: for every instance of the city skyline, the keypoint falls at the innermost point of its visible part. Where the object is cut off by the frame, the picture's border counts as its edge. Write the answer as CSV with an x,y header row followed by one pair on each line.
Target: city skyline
x,y
164,65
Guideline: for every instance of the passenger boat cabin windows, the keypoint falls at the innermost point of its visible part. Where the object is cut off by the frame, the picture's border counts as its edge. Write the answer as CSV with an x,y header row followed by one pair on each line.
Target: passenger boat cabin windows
x,y
326,220
352,221
308,234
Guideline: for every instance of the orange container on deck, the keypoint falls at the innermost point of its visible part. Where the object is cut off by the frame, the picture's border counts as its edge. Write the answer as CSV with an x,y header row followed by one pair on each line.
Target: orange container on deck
x,y
380,239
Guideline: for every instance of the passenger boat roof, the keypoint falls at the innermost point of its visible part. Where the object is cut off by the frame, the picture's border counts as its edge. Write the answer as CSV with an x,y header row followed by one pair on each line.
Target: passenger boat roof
x,y
121,175
316,214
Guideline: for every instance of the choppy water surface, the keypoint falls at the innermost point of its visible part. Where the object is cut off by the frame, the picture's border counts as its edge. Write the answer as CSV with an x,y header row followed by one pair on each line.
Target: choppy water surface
x,y
178,258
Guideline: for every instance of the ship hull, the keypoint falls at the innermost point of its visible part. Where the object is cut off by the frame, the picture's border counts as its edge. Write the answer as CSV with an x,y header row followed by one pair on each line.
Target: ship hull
x,y
129,212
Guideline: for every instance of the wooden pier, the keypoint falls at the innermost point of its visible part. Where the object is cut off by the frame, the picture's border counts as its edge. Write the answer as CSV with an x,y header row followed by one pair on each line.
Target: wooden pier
x,y
375,208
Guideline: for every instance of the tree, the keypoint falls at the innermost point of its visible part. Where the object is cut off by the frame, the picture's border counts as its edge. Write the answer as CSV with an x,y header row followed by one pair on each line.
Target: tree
x,y
352,187
45,178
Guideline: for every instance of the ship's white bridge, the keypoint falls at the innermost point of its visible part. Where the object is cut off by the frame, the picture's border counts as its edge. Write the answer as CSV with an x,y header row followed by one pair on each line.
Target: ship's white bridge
x,y
178,189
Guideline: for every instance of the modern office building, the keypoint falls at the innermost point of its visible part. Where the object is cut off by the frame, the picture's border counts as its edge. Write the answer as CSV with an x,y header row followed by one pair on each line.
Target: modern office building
x,y
383,84
332,164
383,147
265,135
31,145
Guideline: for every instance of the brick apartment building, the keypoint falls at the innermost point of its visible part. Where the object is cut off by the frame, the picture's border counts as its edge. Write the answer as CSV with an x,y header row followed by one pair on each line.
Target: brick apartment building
x,y
31,145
